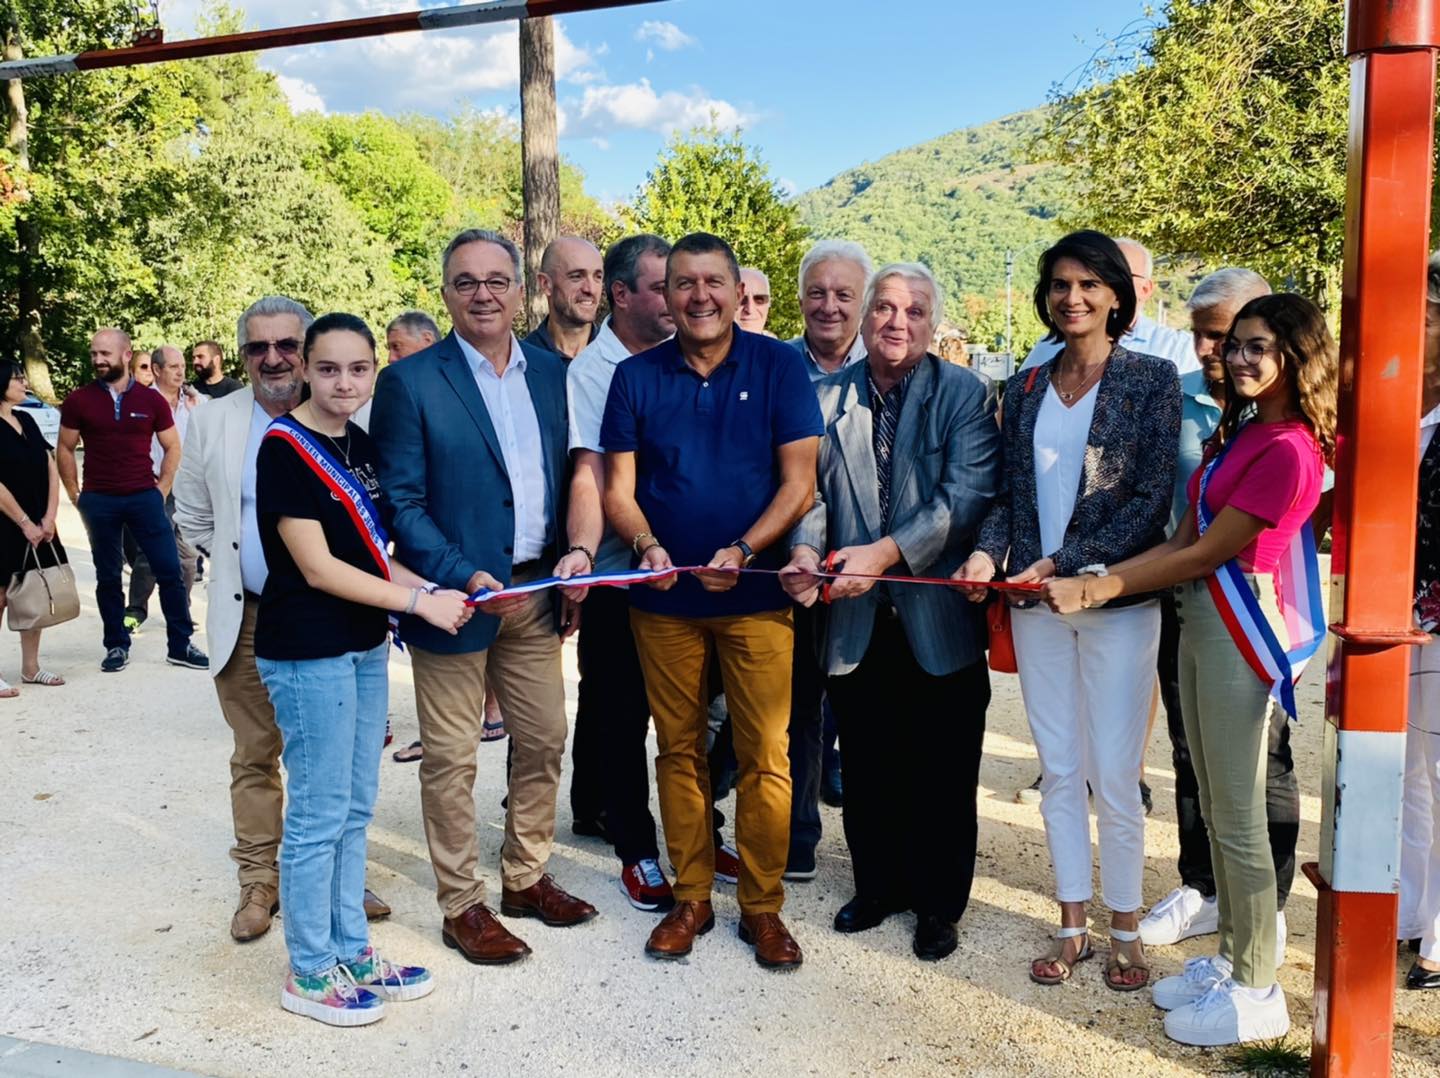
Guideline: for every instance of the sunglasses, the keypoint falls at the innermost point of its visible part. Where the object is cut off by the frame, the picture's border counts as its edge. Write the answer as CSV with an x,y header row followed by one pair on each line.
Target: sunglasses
x,y
288,347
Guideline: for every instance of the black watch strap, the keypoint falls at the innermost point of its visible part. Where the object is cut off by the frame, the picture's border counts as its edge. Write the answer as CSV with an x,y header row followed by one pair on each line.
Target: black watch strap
x,y
746,553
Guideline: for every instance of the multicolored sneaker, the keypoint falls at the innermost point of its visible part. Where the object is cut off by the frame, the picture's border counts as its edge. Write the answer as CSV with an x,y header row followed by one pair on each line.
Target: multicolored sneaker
x,y
727,864
387,980
645,886
331,997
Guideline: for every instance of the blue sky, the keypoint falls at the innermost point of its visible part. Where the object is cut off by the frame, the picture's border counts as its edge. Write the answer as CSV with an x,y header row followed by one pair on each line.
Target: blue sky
x,y
818,85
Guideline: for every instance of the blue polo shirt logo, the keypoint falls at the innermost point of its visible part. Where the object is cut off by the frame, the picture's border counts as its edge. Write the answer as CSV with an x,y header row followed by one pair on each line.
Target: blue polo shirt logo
x,y
744,394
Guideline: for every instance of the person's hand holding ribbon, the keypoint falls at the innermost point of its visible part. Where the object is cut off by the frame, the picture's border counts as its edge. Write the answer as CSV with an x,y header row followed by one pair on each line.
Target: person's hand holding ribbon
x,y
798,576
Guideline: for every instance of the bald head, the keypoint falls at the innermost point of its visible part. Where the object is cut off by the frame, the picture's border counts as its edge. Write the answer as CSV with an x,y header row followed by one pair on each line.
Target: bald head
x,y
1142,269
572,278
168,364
754,310
110,354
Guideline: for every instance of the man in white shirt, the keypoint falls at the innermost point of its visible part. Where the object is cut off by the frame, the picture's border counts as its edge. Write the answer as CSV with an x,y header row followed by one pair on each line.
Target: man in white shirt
x,y
215,512
1145,335
833,276
610,781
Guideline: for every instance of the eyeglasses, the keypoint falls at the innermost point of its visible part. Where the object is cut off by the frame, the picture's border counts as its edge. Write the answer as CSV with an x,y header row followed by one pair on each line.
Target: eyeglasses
x,y
466,287
1252,351
288,347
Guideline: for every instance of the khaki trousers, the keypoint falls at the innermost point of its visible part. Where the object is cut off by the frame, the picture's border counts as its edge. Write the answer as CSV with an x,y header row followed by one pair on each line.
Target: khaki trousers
x,y
755,653
523,664
1226,707
256,792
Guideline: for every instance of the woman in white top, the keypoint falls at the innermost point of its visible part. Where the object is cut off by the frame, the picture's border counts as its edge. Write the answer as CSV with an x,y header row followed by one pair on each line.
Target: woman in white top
x,y
1090,439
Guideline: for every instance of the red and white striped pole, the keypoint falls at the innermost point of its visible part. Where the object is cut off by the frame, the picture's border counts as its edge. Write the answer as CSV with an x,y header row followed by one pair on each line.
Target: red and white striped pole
x,y
310,34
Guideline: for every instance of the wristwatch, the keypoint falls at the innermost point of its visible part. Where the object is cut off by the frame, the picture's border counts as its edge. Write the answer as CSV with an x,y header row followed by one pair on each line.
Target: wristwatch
x,y
746,554
1094,570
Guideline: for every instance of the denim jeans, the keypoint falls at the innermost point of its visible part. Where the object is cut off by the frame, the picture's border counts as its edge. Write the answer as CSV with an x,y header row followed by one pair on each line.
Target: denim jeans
x,y
331,714
106,516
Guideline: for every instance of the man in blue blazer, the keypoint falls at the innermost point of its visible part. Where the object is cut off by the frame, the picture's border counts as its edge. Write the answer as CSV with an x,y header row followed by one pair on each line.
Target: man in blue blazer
x,y
908,466
472,440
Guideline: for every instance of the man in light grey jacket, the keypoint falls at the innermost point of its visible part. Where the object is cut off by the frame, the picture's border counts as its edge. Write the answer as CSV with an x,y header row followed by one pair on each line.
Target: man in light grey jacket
x,y
909,463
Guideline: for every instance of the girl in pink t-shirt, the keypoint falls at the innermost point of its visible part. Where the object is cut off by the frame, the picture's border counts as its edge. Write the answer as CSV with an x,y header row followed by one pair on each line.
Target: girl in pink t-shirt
x,y
1259,484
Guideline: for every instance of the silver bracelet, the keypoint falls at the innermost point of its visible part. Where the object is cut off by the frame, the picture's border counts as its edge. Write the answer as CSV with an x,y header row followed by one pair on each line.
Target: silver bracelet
x,y
414,598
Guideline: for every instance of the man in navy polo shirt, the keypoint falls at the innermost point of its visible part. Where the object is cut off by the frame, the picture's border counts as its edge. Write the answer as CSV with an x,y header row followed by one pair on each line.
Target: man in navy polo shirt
x,y
117,417
710,442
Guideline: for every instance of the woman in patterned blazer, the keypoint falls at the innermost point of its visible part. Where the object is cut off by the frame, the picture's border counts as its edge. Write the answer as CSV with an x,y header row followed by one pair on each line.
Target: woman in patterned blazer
x,y
1089,440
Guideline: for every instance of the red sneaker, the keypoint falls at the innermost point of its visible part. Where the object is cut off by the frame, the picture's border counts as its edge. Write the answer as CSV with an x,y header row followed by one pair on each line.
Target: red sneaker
x,y
645,886
727,864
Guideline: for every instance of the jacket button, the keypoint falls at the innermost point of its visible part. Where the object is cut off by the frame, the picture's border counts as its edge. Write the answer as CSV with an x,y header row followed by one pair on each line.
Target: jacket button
x,y
239,598
234,546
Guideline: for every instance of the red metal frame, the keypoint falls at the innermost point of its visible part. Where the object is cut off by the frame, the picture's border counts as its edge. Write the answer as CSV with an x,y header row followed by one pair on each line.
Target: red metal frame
x,y
1392,107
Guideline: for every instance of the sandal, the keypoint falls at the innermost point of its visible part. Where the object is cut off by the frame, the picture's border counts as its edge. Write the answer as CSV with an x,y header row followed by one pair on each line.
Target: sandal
x,y
1056,957
7,690
1122,963
409,754
43,677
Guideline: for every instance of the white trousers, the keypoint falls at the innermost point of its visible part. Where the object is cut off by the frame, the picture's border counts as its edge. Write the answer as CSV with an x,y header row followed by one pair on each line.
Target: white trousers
x,y
1420,817
1087,679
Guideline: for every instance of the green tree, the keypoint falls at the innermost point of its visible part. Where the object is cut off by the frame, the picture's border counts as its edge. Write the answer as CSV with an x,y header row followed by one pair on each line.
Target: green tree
x,y
1219,132
710,181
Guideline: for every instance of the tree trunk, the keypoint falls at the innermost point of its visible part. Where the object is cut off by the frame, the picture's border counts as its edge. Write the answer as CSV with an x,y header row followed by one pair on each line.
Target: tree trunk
x,y
539,153
27,234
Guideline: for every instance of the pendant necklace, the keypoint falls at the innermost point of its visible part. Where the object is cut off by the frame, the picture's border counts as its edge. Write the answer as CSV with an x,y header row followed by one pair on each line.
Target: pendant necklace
x,y
345,453
1072,394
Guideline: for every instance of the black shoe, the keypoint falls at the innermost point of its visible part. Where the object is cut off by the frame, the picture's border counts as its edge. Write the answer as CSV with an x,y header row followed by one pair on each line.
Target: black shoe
x,y
1145,799
860,914
116,659
191,658
1413,945
592,827
800,867
935,937
832,791
1420,977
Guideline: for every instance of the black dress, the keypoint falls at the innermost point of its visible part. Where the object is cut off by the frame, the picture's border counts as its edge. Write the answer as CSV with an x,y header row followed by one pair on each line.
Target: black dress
x,y
25,472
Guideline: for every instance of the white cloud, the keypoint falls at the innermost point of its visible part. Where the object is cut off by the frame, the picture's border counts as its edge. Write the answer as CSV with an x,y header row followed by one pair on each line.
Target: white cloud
x,y
637,106
303,96
664,35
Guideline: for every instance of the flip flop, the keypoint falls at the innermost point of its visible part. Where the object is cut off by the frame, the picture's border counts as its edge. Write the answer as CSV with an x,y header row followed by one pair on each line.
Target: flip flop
x,y
7,690
1121,963
410,754
1055,957
43,677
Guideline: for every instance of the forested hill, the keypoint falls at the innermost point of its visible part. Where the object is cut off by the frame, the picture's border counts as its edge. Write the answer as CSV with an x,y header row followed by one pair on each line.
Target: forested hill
x,y
955,203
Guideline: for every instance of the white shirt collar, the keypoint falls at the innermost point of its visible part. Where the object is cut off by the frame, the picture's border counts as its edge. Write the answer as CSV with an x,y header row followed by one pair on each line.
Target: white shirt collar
x,y
481,364
1431,418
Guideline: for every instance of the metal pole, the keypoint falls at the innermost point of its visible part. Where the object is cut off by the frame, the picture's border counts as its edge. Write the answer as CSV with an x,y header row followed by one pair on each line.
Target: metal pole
x,y
1009,276
309,34
1392,106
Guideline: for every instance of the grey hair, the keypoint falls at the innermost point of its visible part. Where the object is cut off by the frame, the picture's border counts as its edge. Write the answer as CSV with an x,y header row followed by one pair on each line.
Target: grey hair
x,y
1432,278
158,353
1232,285
414,323
913,271
481,235
268,307
756,269
835,251
1149,262
622,261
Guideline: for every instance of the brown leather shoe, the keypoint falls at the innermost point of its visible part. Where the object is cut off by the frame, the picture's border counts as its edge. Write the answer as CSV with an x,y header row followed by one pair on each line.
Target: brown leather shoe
x,y
545,899
259,902
775,948
480,937
674,937
375,909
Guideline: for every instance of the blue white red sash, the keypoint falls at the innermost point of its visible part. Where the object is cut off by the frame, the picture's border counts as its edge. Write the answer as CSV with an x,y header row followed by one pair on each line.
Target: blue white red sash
x,y
347,491
1297,593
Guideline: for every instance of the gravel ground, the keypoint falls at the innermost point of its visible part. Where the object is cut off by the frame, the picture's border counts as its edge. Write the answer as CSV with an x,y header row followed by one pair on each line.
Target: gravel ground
x,y
117,892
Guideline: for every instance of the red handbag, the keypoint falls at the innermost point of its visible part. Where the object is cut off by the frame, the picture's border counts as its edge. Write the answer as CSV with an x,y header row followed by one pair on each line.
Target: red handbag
x,y
1002,641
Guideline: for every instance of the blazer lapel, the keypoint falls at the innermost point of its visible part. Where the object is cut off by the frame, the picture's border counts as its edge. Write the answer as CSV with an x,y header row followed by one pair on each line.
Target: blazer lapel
x,y
912,426
855,434
457,372
544,409
1107,394
235,433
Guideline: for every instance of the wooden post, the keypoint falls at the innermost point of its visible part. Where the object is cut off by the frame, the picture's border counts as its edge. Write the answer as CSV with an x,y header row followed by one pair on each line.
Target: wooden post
x,y
539,153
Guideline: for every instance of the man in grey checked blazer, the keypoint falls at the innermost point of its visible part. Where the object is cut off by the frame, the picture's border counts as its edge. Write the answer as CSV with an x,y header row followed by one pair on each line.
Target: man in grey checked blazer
x,y
908,466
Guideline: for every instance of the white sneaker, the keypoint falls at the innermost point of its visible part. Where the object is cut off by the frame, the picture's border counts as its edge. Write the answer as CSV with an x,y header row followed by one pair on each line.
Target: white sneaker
x,y
1230,1014
1280,935
1183,913
1200,975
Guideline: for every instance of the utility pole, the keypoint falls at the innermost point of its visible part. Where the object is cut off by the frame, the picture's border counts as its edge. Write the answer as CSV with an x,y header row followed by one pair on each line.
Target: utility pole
x,y
540,154
1009,277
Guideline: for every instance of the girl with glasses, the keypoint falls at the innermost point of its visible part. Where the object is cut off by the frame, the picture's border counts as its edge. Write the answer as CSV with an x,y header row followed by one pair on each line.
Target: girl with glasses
x,y
1248,600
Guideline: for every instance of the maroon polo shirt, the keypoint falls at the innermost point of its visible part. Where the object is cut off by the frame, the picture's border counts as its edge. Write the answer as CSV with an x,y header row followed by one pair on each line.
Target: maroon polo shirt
x,y
116,435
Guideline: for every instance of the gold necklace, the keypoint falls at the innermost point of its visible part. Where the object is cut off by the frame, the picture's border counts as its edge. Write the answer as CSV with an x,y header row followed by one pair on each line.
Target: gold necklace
x,y
1070,396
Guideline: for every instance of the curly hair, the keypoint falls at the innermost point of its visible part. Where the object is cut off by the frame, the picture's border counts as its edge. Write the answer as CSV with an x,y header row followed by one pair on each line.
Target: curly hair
x,y
1309,362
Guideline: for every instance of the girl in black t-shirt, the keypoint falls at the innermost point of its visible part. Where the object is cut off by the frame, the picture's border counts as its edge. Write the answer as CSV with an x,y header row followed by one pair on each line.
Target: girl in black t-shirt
x,y
321,650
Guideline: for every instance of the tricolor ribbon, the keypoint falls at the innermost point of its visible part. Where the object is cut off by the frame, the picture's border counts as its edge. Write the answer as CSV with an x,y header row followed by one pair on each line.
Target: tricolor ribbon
x,y
341,483
645,576
1297,593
